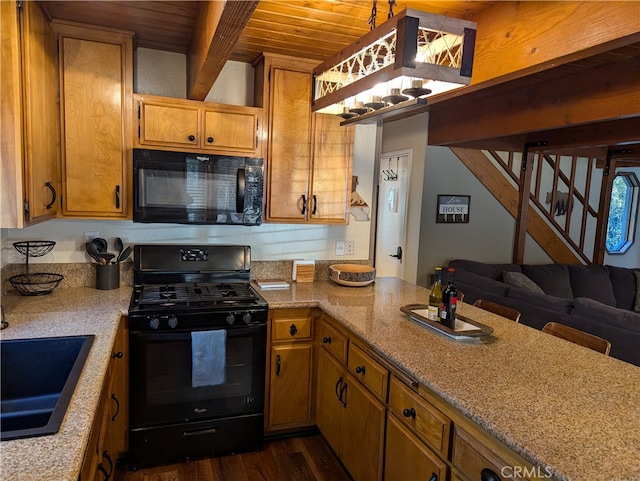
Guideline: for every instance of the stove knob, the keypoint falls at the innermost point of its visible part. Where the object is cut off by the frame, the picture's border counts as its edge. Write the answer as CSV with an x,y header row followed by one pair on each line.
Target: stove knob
x,y
231,318
172,321
154,322
246,318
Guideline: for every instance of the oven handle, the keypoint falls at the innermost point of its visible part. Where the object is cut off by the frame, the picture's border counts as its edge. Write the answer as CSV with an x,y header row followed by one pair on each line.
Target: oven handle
x,y
240,190
186,336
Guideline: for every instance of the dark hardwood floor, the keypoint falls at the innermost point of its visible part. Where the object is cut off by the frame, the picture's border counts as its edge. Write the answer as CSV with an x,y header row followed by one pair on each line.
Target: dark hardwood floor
x,y
304,458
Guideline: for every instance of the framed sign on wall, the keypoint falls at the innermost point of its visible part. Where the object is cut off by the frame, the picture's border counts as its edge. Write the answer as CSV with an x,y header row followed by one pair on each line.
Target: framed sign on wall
x,y
453,209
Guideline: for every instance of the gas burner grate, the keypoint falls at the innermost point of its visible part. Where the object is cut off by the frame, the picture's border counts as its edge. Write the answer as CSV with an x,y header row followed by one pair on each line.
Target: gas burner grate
x,y
196,293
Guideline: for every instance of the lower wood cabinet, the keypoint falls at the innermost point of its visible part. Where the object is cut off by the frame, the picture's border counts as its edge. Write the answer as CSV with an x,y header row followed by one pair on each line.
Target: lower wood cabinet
x,y
408,458
290,367
107,440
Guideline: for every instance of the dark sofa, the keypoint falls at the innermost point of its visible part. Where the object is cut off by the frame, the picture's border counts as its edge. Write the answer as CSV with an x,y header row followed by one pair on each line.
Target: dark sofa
x,y
601,300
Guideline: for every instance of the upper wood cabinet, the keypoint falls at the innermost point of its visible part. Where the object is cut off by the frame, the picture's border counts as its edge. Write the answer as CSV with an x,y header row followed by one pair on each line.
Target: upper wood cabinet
x,y
29,116
96,88
309,156
188,125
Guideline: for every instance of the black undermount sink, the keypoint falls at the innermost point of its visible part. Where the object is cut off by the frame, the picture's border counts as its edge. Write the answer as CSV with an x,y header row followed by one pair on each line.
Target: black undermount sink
x,y
38,379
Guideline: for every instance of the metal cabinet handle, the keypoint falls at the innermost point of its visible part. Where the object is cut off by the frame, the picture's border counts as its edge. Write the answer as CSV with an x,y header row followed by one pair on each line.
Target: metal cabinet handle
x,y
409,413
360,369
103,471
304,204
115,399
326,340
192,138
278,365
434,477
53,195
337,390
488,475
293,330
210,140
315,205
117,196
117,355
342,397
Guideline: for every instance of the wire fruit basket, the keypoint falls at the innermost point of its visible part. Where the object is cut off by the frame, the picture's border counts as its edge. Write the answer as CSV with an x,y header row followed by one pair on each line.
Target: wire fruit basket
x,y
37,283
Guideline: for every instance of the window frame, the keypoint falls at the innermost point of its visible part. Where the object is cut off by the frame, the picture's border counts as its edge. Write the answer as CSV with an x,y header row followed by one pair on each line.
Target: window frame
x,y
631,214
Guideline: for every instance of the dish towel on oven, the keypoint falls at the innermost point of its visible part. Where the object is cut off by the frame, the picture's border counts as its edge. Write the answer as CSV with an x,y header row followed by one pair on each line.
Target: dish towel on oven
x,y
208,357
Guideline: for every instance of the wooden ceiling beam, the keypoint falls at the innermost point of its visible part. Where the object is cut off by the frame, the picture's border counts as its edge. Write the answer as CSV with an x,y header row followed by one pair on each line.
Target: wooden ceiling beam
x,y
218,28
606,93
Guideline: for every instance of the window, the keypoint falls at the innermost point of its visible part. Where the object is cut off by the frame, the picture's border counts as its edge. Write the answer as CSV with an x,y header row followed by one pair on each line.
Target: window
x,y
623,213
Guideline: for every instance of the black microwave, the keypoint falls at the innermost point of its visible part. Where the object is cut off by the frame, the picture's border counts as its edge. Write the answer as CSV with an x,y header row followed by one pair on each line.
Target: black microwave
x,y
188,188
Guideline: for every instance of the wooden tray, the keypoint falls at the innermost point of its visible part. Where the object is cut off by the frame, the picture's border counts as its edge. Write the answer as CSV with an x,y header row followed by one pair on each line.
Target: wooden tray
x,y
465,328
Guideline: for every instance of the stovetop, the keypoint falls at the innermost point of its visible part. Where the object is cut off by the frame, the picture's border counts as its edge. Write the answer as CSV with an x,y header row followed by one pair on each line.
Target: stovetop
x,y
195,295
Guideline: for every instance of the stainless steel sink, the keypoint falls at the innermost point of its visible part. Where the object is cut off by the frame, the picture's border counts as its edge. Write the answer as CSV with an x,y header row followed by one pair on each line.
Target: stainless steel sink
x,y
38,380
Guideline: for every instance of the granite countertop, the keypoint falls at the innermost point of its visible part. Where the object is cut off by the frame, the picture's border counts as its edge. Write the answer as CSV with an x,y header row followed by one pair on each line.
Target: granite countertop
x,y
561,406
568,410
65,312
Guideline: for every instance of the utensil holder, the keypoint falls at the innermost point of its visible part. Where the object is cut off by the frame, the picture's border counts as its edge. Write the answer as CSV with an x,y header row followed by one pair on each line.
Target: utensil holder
x,y
107,276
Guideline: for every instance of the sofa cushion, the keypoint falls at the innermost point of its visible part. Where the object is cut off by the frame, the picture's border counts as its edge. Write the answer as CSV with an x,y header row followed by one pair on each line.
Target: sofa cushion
x,y
623,282
544,301
518,279
493,271
592,281
481,282
552,278
585,307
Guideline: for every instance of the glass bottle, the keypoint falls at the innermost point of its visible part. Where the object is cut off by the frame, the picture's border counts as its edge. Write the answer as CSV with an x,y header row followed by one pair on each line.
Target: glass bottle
x,y
435,296
449,301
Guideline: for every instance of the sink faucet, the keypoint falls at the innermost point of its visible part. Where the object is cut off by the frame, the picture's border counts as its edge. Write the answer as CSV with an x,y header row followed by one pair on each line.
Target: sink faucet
x,y
4,323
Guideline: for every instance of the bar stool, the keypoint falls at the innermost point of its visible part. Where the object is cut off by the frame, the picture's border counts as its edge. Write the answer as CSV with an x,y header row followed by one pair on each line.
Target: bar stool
x,y
499,309
578,337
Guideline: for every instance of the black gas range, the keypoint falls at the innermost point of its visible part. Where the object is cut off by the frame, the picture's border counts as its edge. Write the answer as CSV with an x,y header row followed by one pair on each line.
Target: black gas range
x,y
198,335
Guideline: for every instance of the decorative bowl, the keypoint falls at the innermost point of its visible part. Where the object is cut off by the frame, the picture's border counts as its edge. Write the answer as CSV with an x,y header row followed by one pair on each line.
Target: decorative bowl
x,y
353,275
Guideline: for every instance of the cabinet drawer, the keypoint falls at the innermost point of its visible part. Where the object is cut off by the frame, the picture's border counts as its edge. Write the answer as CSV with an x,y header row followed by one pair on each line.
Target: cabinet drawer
x,y
427,422
471,457
291,329
368,371
332,340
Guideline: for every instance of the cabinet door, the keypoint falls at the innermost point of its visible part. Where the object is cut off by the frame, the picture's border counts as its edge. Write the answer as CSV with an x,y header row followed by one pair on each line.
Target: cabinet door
x,y
40,114
230,131
329,409
95,91
331,175
289,150
169,125
362,433
119,397
407,458
290,393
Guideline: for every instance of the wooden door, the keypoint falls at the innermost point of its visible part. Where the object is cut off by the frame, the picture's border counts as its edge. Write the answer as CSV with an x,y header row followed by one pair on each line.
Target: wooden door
x,y
119,402
362,433
290,393
229,131
407,457
40,114
166,125
329,409
331,175
289,151
95,109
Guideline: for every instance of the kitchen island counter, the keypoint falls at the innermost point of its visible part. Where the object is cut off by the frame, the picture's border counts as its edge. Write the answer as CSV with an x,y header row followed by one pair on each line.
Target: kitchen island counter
x,y
570,411
65,312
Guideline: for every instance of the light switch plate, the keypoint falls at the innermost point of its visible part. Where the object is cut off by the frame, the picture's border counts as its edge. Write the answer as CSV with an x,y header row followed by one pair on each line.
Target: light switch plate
x,y
340,248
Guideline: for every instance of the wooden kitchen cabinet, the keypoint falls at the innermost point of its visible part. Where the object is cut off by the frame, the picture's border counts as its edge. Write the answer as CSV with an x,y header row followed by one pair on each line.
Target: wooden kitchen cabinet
x,y
96,86
191,126
309,156
29,116
349,416
291,369
107,440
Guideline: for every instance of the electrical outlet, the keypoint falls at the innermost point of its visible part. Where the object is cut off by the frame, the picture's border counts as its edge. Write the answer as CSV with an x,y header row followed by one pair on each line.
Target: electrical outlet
x,y
348,248
340,248
89,236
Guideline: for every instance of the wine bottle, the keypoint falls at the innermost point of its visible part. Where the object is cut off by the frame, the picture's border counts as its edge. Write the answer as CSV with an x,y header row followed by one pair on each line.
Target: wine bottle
x,y
435,296
449,301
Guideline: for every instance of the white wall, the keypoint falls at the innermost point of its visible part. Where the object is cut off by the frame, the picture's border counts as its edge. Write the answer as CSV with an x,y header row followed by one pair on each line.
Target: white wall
x,y
164,73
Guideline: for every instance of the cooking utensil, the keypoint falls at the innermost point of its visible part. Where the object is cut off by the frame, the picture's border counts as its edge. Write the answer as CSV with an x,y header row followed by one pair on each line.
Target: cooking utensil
x,y
92,250
124,255
119,247
107,257
101,244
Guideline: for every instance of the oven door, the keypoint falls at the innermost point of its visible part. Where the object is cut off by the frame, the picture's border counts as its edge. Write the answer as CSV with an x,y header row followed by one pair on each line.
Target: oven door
x,y
165,387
